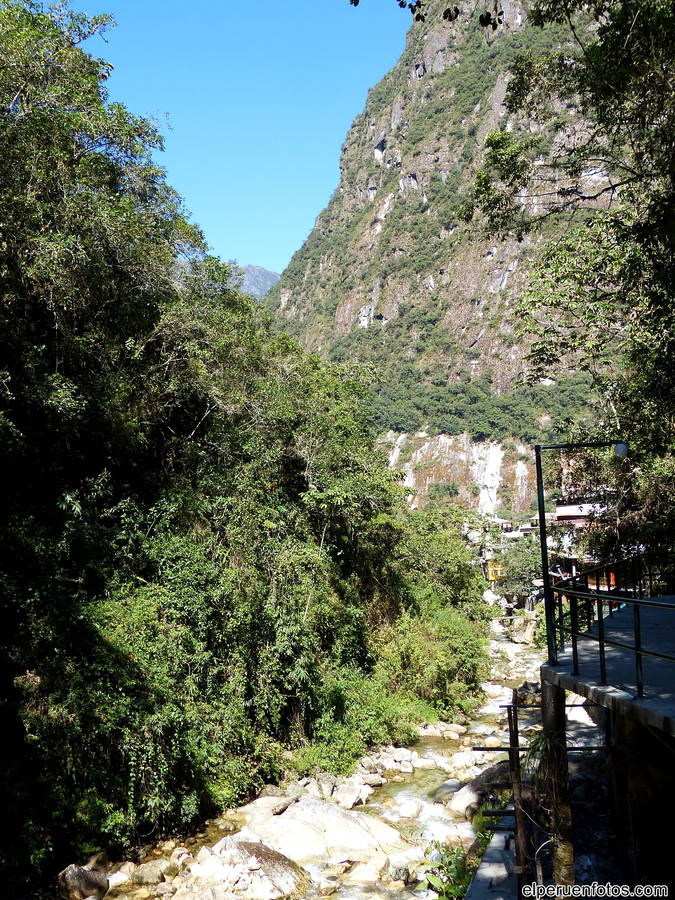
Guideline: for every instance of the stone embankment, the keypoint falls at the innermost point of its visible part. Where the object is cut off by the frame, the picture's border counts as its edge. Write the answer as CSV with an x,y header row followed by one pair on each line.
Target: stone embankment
x,y
357,836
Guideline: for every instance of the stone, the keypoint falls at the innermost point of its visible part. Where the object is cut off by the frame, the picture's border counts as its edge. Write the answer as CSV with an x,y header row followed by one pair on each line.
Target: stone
x,y
426,729
210,869
492,741
211,893
183,860
256,870
374,780
492,690
164,889
80,882
410,809
283,805
423,762
522,630
152,872
312,788
463,759
317,830
178,855
463,799
117,878
369,872
127,867
327,784
271,790
406,768
401,874
446,790
402,754
348,795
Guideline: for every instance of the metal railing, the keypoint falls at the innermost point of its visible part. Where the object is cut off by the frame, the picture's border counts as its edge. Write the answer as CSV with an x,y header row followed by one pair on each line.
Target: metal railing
x,y
583,603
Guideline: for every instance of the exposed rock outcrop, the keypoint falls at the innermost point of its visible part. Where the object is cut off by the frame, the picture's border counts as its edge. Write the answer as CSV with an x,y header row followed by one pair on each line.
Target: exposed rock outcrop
x,y
485,475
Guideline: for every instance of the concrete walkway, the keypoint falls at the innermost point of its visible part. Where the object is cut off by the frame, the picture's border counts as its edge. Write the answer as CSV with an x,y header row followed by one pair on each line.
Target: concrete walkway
x,y
657,707
494,878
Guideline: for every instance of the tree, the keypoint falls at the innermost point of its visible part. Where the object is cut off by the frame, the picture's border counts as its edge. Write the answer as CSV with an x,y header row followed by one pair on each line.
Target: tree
x,y
522,565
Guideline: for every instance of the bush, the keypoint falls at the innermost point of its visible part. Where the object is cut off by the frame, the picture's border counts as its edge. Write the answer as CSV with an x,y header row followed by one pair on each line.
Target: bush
x,y
358,711
439,660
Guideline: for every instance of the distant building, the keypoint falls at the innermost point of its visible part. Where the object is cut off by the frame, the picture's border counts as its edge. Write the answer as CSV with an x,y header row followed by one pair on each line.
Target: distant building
x,y
494,572
577,515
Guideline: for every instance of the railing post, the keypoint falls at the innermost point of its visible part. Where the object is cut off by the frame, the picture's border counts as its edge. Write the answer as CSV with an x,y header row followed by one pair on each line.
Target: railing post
x,y
549,600
639,674
601,639
574,624
522,855
555,766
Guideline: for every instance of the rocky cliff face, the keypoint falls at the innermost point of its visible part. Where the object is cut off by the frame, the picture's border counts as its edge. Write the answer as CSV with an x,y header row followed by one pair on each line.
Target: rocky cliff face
x,y
494,478
391,276
390,242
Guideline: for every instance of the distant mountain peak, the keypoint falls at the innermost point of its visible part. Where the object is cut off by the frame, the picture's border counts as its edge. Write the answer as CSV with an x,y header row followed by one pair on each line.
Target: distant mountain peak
x,y
257,281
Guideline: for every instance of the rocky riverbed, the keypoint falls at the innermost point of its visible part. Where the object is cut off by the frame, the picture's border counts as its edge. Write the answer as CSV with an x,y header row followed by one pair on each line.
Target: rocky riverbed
x,y
363,836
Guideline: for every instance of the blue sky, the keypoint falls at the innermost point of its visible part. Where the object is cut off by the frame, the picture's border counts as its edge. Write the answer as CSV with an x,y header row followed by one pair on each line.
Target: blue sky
x,y
259,96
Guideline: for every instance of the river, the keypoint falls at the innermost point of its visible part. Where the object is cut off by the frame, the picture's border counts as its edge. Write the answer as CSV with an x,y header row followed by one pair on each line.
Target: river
x,y
405,801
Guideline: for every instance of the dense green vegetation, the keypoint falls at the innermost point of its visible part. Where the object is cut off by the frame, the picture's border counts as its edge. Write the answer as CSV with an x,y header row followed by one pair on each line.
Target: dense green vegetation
x,y
406,399
204,561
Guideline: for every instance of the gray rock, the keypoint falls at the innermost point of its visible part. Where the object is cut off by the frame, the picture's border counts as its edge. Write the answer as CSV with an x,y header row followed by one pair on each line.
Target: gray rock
x,y
402,754
446,790
327,886
80,882
312,788
164,889
348,795
285,877
214,893
327,783
401,873
423,762
151,872
272,790
283,805
465,801
313,830
374,780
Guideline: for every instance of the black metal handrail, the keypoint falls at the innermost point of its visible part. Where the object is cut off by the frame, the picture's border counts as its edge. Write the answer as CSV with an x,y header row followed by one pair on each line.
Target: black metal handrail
x,y
634,582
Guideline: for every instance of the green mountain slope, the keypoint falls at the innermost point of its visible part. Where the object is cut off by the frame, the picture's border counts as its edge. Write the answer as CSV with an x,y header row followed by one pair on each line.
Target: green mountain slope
x,y
391,276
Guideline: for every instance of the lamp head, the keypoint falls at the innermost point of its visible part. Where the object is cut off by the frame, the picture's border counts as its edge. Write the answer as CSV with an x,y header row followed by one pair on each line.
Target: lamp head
x,y
621,449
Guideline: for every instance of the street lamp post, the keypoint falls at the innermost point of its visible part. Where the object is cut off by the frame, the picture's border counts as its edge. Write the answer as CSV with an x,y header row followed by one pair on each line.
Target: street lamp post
x,y
621,449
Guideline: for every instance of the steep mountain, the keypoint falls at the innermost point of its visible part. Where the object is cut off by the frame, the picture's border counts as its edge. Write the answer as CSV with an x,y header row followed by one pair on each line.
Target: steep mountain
x,y
257,281
391,276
